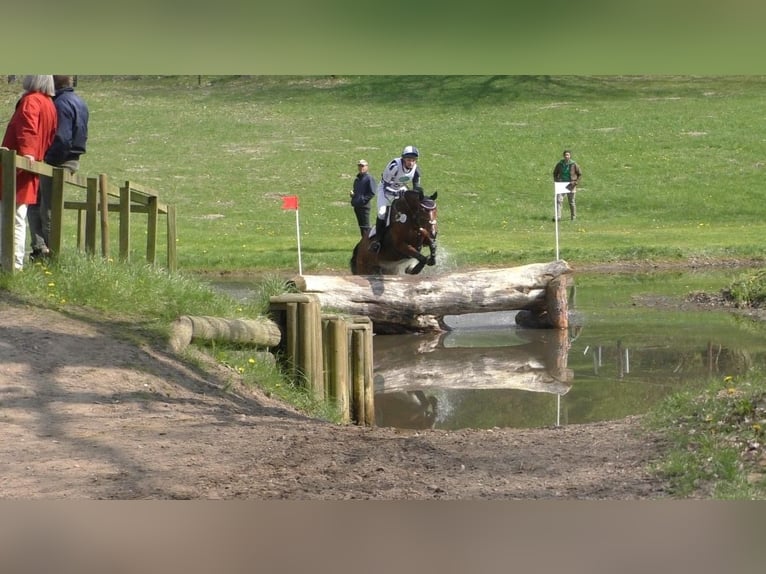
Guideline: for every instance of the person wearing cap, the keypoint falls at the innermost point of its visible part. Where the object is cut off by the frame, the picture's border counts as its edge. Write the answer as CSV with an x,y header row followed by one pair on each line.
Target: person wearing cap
x,y
362,193
399,172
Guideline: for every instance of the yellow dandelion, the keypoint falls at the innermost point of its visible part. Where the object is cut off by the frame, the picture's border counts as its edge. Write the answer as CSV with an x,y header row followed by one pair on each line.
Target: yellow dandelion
x,y
251,361
51,284
728,378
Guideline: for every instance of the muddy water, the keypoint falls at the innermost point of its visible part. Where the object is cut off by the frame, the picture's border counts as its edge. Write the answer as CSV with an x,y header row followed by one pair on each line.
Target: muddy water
x,y
618,358
632,342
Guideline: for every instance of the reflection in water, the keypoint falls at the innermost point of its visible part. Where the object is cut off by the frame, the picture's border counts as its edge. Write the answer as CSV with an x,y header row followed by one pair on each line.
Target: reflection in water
x,y
405,409
513,377
411,370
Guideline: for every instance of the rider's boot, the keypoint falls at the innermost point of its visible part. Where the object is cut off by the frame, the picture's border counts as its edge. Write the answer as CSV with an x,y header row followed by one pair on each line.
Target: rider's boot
x,y
380,229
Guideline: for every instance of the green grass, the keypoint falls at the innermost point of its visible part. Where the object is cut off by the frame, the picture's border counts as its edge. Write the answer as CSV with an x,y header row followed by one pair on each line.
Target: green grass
x,y
716,440
672,167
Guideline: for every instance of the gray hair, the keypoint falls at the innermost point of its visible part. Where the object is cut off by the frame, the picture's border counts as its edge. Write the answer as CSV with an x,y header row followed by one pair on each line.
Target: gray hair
x,y
42,84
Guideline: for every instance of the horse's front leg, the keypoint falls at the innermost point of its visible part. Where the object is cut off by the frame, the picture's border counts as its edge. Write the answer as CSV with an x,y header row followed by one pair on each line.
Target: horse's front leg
x,y
429,240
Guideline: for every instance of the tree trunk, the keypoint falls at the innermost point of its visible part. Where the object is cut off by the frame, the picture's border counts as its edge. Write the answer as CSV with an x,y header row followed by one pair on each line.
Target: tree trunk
x,y
263,332
404,303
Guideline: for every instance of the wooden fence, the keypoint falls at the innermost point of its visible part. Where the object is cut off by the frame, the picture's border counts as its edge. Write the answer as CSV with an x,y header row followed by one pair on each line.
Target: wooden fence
x,y
101,197
331,353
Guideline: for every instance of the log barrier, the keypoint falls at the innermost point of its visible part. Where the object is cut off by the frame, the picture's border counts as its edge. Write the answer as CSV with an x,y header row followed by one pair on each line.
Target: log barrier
x,y
331,354
404,303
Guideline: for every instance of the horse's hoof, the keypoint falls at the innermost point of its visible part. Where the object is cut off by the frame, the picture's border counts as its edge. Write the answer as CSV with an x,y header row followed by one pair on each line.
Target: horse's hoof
x,y
431,261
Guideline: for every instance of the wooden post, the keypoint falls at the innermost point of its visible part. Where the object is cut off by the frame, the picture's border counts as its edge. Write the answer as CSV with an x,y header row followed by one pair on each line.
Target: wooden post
x,y
125,222
80,230
171,235
310,360
151,229
336,355
358,404
90,215
57,211
369,389
303,337
104,212
7,223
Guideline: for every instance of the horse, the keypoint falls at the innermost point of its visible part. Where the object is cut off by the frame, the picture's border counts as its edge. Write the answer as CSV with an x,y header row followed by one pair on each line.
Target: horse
x,y
412,224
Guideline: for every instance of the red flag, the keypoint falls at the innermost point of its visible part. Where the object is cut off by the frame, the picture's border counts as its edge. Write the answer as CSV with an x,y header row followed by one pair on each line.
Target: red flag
x,y
290,202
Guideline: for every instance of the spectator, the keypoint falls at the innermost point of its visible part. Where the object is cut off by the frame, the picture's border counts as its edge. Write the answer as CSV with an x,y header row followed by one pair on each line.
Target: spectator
x,y
363,192
29,133
567,170
68,145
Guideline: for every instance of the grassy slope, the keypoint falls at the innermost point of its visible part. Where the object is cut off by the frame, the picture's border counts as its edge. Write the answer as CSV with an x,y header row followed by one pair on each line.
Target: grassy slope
x,y
671,164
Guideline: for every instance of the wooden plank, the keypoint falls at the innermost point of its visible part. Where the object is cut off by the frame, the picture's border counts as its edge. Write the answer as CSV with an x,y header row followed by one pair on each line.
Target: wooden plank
x,y
8,163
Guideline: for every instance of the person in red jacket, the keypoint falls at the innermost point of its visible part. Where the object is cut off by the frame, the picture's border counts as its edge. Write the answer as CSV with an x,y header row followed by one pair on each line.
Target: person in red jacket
x,y
30,133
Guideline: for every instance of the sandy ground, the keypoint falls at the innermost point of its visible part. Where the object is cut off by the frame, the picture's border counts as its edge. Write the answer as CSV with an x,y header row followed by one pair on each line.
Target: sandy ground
x,y
87,414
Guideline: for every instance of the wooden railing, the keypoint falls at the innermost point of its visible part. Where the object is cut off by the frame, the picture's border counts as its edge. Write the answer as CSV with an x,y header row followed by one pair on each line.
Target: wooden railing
x,y
101,197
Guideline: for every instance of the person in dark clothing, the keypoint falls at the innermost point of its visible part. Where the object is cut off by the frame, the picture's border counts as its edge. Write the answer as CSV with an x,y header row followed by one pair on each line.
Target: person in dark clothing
x,y
68,145
363,192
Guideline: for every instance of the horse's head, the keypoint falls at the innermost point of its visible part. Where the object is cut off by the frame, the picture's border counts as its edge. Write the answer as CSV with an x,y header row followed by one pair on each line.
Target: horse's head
x,y
426,212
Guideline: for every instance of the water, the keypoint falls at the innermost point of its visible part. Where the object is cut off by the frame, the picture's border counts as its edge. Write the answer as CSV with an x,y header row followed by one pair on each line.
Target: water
x,y
618,358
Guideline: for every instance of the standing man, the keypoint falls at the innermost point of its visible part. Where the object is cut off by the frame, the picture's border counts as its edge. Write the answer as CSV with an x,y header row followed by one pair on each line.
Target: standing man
x,y
399,172
30,133
363,192
567,170
65,151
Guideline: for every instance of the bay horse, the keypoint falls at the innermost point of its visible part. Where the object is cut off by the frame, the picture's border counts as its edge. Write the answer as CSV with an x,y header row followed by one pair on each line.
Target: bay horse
x,y
412,224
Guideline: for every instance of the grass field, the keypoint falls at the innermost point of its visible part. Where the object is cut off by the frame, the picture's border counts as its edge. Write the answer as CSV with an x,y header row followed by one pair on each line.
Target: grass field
x,y
672,165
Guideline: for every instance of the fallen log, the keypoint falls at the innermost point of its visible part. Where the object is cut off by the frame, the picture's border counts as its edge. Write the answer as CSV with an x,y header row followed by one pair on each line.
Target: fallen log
x,y
261,331
404,303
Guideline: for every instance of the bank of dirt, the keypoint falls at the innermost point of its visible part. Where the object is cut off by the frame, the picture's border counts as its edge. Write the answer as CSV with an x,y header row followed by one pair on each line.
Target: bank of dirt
x,y
87,414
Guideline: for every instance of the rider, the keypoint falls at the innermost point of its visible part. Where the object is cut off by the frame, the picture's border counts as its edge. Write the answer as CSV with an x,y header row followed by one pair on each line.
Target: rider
x,y
398,172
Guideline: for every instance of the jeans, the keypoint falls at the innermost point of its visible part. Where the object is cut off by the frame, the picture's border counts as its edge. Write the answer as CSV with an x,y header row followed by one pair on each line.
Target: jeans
x,y
39,215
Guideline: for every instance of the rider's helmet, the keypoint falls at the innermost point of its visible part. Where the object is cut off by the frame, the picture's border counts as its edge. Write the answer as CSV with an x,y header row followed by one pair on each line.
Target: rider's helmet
x,y
410,151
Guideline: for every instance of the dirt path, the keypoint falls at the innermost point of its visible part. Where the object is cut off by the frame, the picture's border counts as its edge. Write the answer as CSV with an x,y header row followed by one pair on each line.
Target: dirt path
x,y
86,414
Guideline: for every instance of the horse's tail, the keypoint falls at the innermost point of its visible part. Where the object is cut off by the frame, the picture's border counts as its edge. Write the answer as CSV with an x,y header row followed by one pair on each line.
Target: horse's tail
x,y
352,263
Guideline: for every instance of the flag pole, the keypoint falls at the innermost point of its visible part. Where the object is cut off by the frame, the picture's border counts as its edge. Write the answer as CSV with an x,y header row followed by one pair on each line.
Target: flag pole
x,y
298,232
291,202
556,218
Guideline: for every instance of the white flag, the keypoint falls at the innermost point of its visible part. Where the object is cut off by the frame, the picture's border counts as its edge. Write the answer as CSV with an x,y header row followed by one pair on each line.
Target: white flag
x,y
560,187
